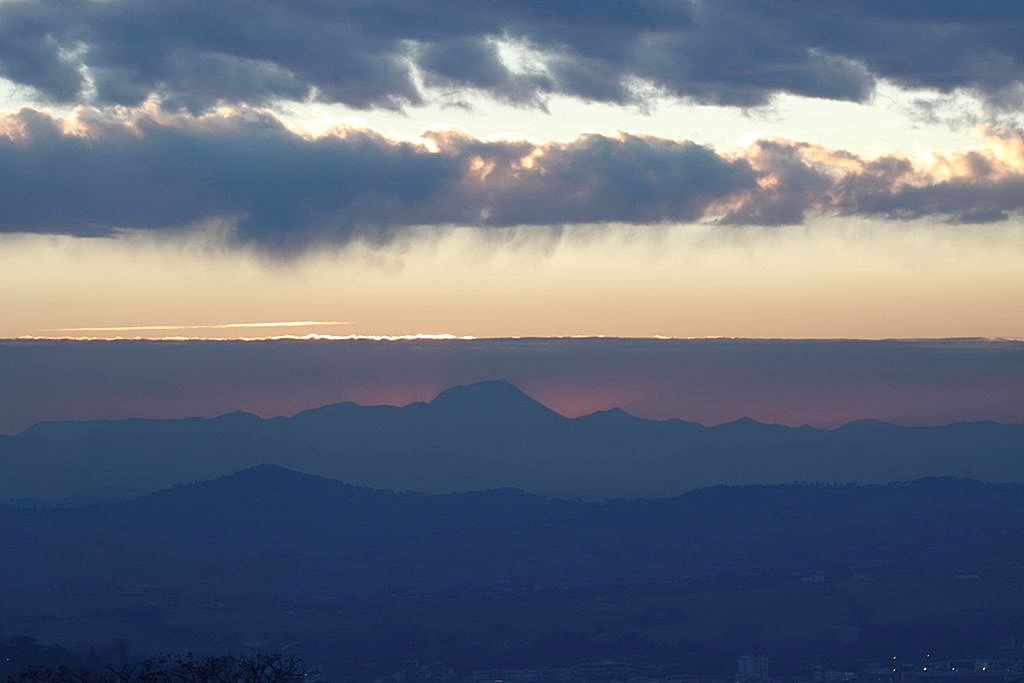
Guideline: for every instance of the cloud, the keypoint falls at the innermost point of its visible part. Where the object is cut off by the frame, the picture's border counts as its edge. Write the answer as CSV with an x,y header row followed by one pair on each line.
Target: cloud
x,y
205,326
737,52
978,186
99,173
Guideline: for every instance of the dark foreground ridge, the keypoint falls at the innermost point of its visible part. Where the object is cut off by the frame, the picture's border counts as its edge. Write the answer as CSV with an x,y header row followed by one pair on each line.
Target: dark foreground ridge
x,y
360,581
491,435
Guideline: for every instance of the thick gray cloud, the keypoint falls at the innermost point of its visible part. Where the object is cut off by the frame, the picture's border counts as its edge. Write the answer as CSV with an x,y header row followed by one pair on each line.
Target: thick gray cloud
x,y
196,53
100,173
284,190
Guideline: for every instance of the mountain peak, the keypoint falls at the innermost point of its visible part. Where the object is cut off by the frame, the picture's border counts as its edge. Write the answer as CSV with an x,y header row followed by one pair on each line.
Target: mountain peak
x,y
497,395
260,484
743,423
239,416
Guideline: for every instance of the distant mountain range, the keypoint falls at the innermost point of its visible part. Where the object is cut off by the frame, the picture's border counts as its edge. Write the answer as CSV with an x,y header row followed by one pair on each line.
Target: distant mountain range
x,y
490,435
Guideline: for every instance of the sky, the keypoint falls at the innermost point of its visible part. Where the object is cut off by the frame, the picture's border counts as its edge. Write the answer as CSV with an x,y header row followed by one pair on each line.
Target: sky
x,y
684,169
345,170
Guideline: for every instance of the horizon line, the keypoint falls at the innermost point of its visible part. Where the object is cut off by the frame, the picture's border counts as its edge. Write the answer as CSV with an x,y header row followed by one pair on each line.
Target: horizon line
x,y
449,337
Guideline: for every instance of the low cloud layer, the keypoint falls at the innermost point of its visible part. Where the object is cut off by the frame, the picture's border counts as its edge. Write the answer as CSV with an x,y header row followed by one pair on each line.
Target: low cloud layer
x,y
100,173
381,54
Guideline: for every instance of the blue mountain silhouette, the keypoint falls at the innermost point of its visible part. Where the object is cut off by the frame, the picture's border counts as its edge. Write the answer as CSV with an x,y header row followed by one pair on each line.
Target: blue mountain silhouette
x,y
491,435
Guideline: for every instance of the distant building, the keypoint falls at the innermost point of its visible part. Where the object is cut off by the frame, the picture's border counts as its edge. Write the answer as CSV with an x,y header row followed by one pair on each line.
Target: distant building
x,y
832,676
752,669
965,670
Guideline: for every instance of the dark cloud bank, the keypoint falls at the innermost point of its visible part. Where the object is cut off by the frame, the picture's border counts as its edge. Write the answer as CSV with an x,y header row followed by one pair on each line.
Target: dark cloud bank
x,y
368,54
824,383
102,172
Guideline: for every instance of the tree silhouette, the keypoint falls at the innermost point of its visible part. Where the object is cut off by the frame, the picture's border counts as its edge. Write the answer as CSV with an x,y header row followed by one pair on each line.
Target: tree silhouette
x,y
259,668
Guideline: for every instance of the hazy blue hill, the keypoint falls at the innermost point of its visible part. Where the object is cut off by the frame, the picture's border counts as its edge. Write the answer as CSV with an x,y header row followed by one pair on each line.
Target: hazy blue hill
x,y
265,528
272,530
75,430
492,435
273,556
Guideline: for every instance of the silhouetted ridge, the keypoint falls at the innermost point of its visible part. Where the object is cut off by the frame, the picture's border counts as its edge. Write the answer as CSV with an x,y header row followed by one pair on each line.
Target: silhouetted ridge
x,y
239,417
274,480
489,396
490,435
264,474
269,495
340,409
743,423
610,414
